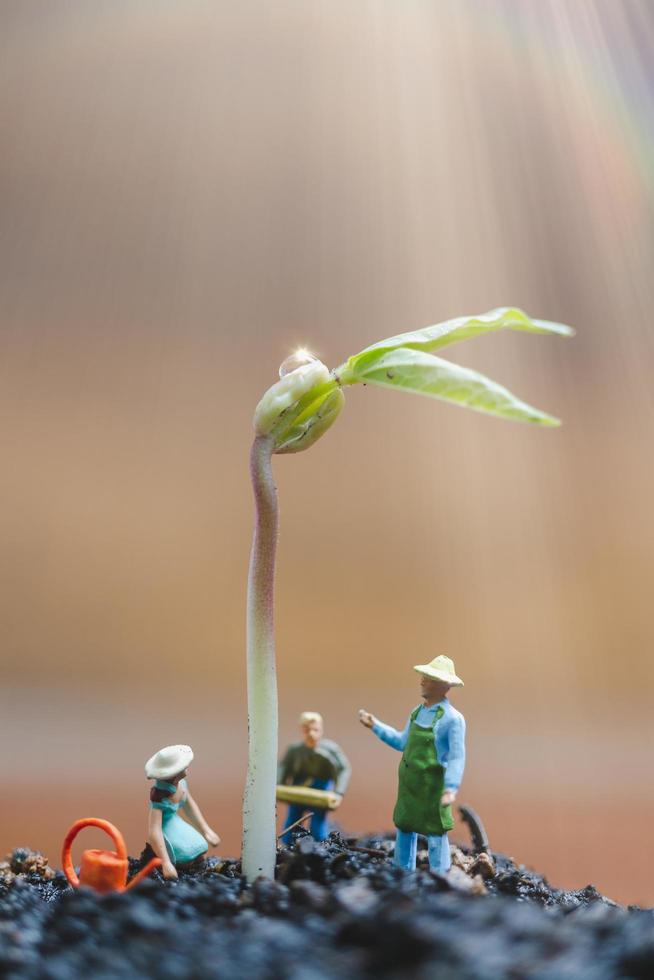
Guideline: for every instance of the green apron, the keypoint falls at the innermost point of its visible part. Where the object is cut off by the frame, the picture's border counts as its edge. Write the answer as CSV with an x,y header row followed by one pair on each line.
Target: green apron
x,y
421,784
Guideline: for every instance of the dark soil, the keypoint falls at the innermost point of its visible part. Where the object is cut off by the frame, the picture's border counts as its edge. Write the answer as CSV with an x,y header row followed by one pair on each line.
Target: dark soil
x,y
334,911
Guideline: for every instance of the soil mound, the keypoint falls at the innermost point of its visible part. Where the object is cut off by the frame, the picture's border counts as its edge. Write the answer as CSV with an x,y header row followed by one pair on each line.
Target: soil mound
x,y
336,909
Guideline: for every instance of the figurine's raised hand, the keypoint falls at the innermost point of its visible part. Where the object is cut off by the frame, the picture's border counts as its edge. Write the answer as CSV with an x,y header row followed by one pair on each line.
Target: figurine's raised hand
x,y
448,797
366,719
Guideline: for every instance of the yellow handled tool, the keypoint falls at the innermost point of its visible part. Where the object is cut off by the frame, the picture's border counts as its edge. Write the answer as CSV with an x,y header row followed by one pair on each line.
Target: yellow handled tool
x,y
318,799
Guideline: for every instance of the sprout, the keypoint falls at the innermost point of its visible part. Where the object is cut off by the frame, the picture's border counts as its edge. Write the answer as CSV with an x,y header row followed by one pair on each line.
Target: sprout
x,y
292,386
293,414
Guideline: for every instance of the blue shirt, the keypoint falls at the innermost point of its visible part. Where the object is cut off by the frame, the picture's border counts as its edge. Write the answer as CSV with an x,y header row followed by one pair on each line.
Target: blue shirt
x,y
449,738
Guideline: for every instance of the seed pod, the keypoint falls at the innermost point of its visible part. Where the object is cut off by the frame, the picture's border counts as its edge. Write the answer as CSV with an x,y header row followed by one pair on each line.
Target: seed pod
x,y
304,434
287,392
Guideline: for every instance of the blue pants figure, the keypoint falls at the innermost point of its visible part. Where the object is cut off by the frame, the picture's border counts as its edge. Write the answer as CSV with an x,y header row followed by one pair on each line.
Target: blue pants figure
x,y
406,847
319,824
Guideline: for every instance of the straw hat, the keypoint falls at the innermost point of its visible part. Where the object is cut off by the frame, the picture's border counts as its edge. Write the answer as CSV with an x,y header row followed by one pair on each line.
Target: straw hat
x,y
169,761
441,669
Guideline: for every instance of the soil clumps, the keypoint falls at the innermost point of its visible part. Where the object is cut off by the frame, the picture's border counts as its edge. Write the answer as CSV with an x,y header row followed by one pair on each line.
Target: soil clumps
x,y
336,909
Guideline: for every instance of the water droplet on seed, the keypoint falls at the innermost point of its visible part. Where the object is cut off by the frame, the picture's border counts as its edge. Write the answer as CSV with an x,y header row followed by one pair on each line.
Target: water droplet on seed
x,y
297,359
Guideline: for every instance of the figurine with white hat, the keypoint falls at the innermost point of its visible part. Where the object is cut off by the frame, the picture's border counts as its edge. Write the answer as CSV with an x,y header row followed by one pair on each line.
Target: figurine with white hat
x,y
431,768
175,840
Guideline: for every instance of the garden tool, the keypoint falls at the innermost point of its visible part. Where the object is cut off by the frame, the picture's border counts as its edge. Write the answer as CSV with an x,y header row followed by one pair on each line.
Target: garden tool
x,y
321,799
104,871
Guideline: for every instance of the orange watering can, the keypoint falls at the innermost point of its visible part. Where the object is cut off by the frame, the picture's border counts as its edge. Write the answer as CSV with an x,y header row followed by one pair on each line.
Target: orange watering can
x,y
105,871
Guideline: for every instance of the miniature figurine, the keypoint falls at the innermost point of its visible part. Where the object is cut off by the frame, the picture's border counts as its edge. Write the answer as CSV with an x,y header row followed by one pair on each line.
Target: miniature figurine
x,y
175,840
317,763
431,769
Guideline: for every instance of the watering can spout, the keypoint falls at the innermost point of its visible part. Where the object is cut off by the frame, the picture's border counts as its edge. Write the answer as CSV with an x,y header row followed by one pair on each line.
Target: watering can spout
x,y
143,873
104,871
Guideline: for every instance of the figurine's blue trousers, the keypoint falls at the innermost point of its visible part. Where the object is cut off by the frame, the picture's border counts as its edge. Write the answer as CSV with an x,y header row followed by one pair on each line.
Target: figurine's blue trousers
x,y
319,825
406,847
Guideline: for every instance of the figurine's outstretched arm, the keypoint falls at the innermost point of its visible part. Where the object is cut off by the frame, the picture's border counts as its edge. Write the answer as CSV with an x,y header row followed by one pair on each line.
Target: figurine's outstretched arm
x,y
158,844
194,815
391,736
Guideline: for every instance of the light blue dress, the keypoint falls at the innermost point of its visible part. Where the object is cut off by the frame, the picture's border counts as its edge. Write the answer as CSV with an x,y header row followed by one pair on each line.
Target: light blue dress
x,y
183,842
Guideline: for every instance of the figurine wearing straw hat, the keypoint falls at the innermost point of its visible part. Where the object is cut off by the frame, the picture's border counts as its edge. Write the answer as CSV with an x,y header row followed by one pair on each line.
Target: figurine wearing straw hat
x,y
431,768
177,842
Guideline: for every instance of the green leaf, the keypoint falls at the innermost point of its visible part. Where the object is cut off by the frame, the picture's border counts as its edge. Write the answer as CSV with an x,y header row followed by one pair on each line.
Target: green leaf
x,y
413,370
442,334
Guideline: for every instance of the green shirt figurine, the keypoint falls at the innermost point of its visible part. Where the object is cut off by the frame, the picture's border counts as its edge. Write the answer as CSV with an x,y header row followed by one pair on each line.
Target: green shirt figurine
x,y
318,763
431,767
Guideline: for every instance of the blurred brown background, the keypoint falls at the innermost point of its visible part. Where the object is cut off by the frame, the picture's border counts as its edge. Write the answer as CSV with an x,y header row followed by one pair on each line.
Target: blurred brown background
x,y
189,190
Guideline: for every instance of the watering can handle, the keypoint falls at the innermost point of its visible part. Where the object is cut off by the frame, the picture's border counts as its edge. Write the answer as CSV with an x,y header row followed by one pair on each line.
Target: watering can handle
x,y
66,857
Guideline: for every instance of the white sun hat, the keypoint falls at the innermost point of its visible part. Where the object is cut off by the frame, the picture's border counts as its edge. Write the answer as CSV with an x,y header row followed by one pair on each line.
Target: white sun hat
x,y
440,669
169,761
